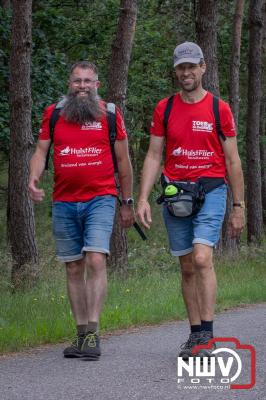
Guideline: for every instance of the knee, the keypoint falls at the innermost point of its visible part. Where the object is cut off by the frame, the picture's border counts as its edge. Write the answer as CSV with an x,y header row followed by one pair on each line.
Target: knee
x,y
75,270
96,262
202,262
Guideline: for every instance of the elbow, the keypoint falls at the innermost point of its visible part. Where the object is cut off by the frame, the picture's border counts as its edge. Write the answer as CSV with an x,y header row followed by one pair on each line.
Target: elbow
x,y
234,163
124,167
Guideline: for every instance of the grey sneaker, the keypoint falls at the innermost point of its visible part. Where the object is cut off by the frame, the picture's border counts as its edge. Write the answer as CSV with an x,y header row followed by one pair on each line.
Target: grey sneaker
x,y
74,350
187,347
205,336
90,348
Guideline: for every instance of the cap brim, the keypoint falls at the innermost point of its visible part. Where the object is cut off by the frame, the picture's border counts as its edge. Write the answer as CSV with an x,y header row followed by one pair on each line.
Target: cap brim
x,y
187,60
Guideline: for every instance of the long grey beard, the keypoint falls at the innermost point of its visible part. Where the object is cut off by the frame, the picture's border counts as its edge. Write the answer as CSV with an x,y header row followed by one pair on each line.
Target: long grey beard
x,y
80,110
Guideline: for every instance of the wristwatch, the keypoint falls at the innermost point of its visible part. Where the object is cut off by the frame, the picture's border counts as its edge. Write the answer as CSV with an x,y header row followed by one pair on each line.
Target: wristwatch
x,y
241,204
128,202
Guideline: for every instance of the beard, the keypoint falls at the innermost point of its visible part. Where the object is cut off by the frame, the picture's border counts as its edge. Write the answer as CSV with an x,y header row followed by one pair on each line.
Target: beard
x,y
82,109
187,88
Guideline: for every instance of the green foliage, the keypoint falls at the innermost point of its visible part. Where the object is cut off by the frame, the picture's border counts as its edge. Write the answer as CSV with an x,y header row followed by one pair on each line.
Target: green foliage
x,y
49,74
61,35
64,32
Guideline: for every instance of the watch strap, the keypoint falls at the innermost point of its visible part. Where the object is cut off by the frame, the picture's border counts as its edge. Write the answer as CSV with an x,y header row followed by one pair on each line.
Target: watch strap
x,y
241,204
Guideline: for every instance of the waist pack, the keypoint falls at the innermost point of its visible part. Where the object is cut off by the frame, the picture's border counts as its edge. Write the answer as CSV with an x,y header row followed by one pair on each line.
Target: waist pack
x,y
182,199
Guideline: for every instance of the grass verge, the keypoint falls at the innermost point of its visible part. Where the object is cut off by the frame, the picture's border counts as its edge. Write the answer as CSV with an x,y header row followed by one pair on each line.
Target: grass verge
x,y
146,296
149,293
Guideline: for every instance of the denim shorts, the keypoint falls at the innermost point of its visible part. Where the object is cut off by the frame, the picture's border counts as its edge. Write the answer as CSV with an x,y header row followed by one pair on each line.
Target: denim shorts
x,y
204,227
83,226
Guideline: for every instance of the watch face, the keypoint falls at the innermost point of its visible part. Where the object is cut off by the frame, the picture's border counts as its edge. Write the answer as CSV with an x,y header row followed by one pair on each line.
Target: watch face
x,y
128,202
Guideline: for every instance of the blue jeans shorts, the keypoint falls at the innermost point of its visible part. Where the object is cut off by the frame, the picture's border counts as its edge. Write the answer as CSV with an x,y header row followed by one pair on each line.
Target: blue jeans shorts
x,y
83,226
204,227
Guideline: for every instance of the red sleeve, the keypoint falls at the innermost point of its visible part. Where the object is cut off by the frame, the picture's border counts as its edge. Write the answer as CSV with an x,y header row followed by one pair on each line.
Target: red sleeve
x,y
157,127
121,132
227,120
44,132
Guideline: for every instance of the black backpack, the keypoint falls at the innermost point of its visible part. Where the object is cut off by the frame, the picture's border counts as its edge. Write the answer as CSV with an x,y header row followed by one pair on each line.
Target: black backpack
x,y
215,106
111,120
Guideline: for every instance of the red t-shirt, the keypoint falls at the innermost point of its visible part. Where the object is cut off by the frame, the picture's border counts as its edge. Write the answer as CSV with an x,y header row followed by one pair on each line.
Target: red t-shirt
x,y
193,147
83,165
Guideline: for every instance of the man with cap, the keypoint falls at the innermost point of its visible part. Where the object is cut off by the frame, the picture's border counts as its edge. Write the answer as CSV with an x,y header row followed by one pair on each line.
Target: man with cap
x,y
195,153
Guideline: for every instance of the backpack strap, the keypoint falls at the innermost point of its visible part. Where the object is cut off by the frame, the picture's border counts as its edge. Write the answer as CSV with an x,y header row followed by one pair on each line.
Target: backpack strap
x,y
53,120
111,119
215,105
167,111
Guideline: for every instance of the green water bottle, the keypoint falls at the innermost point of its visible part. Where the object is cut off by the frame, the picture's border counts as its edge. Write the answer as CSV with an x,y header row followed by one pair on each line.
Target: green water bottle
x,y
170,191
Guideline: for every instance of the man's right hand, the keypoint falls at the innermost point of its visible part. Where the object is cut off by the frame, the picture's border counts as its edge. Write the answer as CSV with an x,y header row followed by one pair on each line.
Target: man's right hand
x,y
36,194
144,213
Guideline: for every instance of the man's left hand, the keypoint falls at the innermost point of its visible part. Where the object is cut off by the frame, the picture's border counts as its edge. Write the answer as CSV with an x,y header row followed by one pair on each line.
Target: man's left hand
x,y
236,221
127,215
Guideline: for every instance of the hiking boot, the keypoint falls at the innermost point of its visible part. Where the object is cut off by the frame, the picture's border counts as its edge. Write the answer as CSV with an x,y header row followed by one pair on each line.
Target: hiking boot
x,y
187,347
74,350
90,348
205,336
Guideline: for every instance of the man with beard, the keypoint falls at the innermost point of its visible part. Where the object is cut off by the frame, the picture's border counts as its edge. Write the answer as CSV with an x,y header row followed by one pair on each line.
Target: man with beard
x,y
84,197
194,153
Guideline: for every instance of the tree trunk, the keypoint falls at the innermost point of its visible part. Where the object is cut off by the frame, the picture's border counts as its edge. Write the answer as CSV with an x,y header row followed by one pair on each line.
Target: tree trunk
x,y
254,200
206,32
229,244
263,153
235,59
5,3
21,226
263,118
121,52
117,87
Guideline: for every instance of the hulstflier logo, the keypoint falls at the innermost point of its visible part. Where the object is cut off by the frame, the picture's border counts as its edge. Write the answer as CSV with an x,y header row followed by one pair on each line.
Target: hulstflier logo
x,y
81,152
193,154
177,152
65,151
232,366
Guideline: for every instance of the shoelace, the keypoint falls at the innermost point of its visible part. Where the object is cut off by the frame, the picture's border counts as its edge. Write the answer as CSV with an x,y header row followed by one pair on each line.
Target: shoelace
x,y
205,338
191,342
76,341
90,339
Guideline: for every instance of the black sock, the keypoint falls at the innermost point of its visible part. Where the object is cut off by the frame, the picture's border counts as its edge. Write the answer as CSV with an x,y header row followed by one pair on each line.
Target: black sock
x,y
92,327
82,329
195,328
207,326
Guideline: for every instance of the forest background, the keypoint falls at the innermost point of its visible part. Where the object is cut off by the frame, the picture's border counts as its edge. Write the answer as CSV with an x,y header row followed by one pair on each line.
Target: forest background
x,y
64,32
